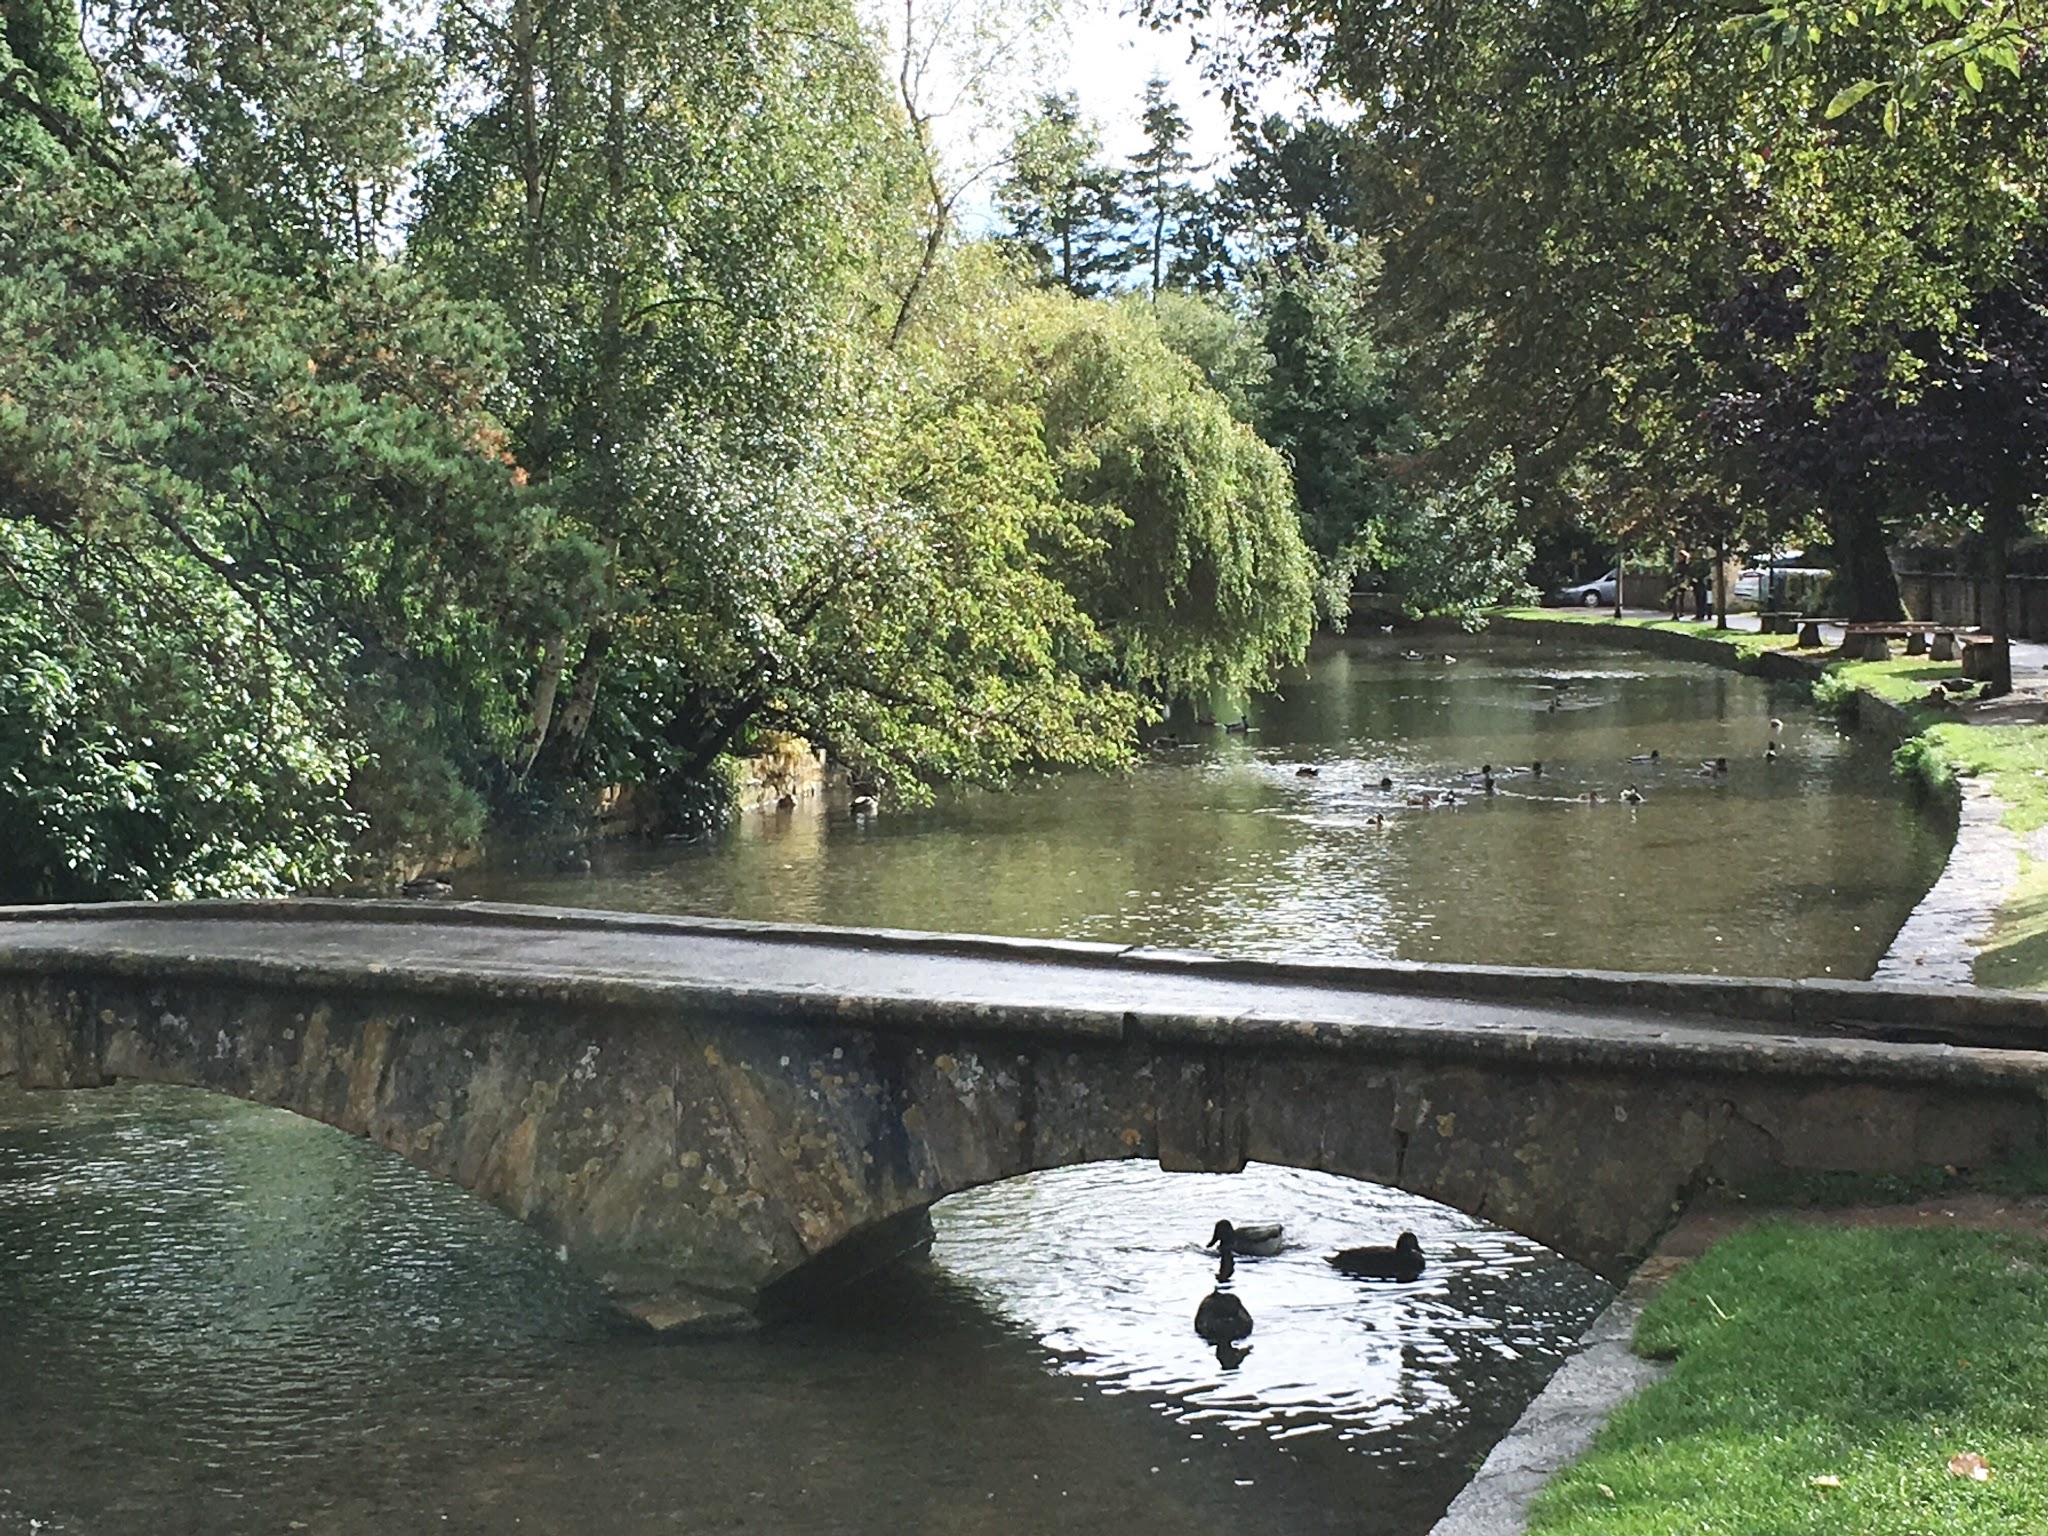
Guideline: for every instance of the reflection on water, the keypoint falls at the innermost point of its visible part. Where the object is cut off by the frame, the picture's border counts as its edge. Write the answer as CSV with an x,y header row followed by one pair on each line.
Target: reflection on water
x,y
1391,1367
219,1319
1802,866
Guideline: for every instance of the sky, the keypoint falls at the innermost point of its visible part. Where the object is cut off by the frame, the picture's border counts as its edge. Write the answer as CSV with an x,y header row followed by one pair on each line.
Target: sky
x,y
1110,59
1107,59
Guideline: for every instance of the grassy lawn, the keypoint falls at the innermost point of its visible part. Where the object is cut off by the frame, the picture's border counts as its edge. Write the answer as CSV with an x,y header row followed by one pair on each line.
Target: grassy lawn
x,y
1824,1381
2012,758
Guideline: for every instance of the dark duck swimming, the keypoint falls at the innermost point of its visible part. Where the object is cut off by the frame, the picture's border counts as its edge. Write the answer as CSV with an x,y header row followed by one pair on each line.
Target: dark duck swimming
x,y
1259,1240
1403,1261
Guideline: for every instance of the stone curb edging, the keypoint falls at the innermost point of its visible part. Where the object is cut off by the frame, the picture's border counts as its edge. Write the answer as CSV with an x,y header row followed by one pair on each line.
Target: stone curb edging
x,y
1560,1421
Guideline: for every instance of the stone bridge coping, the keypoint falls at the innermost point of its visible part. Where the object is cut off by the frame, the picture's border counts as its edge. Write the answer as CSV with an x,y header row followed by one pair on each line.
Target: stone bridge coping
x,y
915,982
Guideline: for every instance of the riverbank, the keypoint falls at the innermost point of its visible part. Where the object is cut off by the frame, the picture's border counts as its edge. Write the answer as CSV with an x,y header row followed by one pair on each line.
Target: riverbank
x,y
1986,921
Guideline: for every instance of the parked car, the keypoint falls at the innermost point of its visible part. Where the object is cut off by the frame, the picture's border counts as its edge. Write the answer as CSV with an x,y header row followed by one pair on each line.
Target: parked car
x,y
1597,593
1785,582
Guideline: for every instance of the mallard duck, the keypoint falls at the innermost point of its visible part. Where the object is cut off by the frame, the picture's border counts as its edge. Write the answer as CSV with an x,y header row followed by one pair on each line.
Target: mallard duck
x,y
1448,797
1771,751
864,805
1306,772
1777,724
1238,727
1386,781
1631,796
1591,797
1420,801
1645,757
1403,1261
1376,819
1713,767
1255,1239
1486,784
1536,769
427,888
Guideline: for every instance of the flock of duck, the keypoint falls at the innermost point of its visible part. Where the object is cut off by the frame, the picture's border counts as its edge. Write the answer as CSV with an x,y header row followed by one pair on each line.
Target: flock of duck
x,y
1486,780
1224,1320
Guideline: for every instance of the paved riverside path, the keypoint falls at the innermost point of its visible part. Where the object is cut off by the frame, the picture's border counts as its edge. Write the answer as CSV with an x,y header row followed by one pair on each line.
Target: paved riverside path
x,y
713,1117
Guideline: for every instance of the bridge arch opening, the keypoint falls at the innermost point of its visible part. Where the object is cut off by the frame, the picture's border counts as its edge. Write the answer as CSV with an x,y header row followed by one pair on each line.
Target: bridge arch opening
x,y
1104,1266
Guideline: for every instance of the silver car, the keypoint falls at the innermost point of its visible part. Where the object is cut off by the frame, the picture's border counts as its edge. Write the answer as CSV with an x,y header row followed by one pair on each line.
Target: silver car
x,y
1597,593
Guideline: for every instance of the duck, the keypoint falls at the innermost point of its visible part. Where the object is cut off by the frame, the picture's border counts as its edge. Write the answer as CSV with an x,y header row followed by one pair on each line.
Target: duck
x,y
1713,767
1645,757
1448,797
1206,720
1238,727
1631,796
1306,772
1420,801
1591,797
785,802
1412,656
1386,781
864,805
1536,769
1255,1239
1777,724
1484,771
1553,706
576,862
1771,751
427,888
1376,819
1222,1318
1403,1261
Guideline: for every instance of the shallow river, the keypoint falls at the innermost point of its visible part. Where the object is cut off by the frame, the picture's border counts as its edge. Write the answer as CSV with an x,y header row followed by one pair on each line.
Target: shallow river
x,y
215,1318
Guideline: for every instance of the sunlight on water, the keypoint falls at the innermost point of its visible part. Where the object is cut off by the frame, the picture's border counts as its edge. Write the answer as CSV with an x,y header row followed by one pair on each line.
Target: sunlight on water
x,y
1105,1266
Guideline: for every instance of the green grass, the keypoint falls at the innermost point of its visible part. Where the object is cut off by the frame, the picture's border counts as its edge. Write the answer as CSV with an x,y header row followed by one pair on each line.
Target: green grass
x,y
1804,1354
2012,758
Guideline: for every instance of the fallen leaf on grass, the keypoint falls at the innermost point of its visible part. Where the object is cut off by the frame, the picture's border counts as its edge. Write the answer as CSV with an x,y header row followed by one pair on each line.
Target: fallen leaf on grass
x,y
1969,1464
1825,1480
1605,1490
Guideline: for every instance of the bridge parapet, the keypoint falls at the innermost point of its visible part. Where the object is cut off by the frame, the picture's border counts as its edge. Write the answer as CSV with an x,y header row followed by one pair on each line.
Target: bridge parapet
x,y
712,1116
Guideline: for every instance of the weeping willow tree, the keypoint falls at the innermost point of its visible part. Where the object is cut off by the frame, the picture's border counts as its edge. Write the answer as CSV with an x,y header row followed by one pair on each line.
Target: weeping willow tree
x,y
1190,555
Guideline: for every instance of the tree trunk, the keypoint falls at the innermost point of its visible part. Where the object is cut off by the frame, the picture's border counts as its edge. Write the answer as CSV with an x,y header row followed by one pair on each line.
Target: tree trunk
x,y
2001,524
1865,581
540,712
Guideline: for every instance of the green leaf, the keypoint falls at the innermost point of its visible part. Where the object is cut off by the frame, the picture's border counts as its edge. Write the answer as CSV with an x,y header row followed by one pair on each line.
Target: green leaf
x,y
1973,75
1848,96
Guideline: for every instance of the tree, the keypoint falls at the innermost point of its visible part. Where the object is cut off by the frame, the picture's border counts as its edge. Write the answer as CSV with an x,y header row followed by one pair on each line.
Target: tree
x,y
675,209
302,122
235,526
1161,189
1064,206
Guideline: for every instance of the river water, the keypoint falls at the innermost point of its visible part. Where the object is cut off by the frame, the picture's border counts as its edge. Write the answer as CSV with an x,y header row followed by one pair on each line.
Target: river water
x,y
218,1318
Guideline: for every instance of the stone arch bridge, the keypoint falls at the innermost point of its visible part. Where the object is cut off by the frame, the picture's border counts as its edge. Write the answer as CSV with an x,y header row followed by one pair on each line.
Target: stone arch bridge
x,y
712,1117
